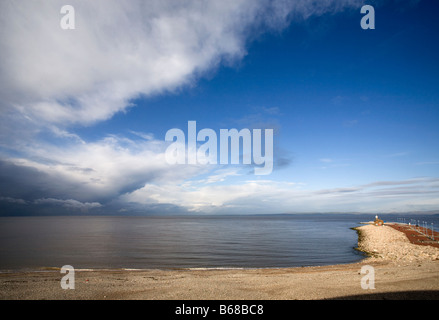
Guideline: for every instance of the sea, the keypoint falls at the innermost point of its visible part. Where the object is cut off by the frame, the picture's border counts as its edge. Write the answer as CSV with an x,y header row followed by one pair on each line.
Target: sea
x,y
174,242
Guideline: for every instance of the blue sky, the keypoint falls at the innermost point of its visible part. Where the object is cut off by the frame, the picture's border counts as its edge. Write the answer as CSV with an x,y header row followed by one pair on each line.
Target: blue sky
x,y
85,111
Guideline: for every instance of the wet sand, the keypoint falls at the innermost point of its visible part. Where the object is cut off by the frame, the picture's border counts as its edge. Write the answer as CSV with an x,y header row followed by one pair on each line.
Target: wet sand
x,y
401,272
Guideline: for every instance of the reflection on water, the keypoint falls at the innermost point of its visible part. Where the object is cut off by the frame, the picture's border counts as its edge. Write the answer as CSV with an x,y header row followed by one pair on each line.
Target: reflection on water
x,y
178,242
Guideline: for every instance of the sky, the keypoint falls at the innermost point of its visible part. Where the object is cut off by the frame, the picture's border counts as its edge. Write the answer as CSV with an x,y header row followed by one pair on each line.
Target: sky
x,y
85,111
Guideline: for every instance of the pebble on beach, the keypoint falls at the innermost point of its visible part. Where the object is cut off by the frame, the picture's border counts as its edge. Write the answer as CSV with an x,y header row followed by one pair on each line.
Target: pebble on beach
x,y
384,242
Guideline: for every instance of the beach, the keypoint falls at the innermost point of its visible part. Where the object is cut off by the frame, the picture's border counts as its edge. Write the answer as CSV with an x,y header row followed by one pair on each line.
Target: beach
x,y
402,270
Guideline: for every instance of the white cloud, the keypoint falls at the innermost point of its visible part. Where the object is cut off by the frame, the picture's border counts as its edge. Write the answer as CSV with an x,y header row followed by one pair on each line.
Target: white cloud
x,y
126,171
267,196
13,200
118,51
69,203
103,169
123,49
220,176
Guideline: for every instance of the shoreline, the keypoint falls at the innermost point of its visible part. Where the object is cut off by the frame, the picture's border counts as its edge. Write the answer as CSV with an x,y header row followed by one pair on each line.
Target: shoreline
x,y
58,269
399,274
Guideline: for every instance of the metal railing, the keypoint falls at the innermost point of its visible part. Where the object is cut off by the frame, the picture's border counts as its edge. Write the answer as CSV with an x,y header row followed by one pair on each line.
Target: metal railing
x,y
423,227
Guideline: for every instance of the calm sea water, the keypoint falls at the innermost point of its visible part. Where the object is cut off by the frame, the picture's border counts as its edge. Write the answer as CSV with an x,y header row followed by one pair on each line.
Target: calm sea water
x,y
178,242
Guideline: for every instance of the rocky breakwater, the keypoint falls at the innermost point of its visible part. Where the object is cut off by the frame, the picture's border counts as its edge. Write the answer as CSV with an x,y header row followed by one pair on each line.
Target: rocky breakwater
x,y
386,243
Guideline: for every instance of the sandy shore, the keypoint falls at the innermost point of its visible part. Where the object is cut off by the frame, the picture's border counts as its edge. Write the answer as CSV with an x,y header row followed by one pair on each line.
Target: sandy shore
x,y
402,271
